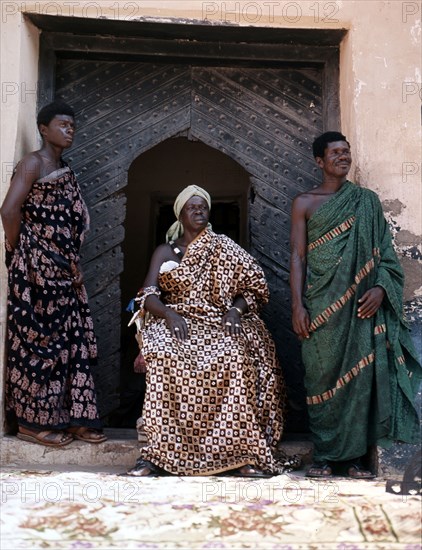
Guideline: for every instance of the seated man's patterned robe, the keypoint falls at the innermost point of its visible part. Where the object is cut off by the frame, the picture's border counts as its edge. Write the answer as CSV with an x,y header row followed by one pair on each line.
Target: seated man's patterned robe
x,y
213,402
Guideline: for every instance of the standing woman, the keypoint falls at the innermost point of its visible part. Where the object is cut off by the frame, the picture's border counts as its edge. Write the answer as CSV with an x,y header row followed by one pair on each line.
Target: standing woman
x,y
51,342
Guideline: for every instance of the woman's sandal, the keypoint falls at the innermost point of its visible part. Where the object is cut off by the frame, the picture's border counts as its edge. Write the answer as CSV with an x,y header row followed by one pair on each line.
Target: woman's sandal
x,y
90,435
320,470
145,468
49,438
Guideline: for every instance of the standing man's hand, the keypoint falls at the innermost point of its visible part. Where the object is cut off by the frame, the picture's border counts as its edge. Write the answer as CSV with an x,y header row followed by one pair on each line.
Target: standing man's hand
x,y
78,280
370,302
301,322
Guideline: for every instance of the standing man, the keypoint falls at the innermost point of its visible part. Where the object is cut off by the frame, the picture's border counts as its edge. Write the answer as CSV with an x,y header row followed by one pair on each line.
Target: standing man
x,y
361,370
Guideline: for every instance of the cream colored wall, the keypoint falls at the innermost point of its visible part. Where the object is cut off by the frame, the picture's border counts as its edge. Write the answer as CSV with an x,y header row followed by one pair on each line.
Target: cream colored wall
x,y
380,88
380,94
18,130
381,102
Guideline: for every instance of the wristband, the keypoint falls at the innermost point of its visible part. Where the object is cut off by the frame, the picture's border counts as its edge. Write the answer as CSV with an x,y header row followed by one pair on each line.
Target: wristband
x,y
240,311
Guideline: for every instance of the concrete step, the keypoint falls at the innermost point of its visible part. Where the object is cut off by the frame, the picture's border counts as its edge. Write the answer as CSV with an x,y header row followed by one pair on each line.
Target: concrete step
x,y
120,450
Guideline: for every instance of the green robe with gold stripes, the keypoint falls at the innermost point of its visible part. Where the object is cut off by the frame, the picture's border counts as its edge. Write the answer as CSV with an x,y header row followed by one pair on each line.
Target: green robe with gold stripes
x,y
361,374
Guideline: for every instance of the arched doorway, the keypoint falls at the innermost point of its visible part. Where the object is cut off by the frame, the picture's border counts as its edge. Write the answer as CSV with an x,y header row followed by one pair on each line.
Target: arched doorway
x,y
154,179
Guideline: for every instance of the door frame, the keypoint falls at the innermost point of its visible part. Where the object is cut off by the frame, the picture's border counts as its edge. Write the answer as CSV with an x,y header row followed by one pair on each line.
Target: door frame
x,y
200,44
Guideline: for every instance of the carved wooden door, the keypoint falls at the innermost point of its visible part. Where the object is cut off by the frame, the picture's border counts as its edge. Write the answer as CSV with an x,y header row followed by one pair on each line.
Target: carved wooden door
x,y
263,118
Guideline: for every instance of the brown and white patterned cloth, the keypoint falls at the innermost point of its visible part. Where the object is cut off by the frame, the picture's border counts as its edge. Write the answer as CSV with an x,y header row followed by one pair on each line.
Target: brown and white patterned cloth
x,y
213,402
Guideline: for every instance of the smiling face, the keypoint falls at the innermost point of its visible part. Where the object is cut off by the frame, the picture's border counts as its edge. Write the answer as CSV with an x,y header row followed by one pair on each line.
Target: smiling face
x,y
336,160
59,132
195,214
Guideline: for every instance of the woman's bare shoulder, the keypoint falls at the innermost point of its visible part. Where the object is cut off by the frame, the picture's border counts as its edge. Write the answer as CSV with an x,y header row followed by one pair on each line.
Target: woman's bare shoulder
x,y
30,161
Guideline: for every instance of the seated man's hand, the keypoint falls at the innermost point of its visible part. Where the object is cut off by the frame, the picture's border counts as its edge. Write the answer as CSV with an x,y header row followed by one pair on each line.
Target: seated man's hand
x,y
176,324
232,323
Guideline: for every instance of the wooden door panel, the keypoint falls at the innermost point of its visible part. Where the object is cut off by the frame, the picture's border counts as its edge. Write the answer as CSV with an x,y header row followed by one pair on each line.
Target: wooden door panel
x,y
123,109
266,119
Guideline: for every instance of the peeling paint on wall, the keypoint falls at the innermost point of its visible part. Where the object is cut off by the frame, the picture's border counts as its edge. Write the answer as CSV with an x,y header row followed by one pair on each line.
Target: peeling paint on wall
x,y
415,31
359,84
412,283
408,247
394,207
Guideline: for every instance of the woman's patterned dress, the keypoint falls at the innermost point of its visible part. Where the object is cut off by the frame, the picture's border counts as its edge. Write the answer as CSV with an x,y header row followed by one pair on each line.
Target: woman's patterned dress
x,y
51,343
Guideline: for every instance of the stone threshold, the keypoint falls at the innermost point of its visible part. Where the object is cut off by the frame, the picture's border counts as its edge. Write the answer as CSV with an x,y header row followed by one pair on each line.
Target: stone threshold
x,y
120,450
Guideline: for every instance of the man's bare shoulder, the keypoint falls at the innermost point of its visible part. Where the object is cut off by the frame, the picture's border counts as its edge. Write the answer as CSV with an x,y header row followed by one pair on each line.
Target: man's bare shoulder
x,y
161,254
162,251
307,203
308,197
28,169
315,192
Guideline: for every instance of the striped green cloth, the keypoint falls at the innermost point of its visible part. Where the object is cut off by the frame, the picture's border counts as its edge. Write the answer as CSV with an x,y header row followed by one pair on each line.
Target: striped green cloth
x,y
361,374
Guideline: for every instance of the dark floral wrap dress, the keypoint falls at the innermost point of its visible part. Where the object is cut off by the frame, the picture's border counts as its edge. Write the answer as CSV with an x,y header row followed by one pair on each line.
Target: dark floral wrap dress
x,y
51,344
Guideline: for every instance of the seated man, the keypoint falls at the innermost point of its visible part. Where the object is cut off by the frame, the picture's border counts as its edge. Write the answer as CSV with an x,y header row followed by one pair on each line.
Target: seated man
x,y
214,394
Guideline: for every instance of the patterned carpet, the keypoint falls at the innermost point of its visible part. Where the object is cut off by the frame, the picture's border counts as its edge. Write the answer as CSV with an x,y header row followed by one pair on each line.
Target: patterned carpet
x,y
82,510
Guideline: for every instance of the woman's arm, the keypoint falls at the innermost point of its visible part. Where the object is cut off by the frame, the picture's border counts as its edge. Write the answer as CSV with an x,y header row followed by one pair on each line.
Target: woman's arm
x,y
27,171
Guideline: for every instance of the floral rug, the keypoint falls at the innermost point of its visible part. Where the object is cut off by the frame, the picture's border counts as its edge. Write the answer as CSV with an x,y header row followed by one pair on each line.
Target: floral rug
x,y
81,510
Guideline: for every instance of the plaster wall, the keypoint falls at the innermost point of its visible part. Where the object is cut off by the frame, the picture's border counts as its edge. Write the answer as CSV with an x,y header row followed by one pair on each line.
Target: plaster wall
x,y
380,91
18,131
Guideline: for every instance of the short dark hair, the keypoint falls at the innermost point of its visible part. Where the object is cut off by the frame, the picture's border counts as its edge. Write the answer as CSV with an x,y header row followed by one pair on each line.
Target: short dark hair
x,y
48,112
321,142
